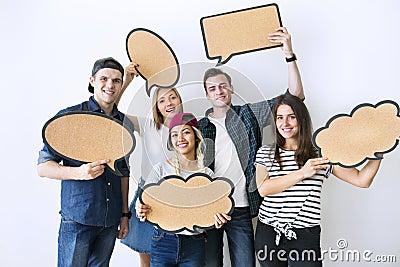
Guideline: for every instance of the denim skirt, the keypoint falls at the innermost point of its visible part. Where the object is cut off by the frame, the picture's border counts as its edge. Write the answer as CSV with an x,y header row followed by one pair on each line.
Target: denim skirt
x,y
140,233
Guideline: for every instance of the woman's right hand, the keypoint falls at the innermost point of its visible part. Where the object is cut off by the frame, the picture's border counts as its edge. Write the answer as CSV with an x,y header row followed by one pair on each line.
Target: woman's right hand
x,y
312,166
130,73
142,210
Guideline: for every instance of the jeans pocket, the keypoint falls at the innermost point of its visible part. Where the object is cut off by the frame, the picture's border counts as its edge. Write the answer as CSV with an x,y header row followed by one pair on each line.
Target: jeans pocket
x,y
157,235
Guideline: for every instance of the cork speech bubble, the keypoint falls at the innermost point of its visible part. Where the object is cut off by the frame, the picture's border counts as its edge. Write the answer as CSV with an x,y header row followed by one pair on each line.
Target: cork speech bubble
x,y
178,204
157,62
228,34
349,140
88,137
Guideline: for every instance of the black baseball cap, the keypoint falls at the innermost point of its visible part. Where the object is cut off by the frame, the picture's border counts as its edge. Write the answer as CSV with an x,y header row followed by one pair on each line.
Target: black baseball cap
x,y
107,62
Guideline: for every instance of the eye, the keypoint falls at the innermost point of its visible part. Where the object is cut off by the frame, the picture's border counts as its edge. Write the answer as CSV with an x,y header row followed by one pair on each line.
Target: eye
x,y
117,81
102,78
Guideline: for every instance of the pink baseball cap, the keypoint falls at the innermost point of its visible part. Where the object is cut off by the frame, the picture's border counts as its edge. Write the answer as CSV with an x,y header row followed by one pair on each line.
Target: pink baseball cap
x,y
184,118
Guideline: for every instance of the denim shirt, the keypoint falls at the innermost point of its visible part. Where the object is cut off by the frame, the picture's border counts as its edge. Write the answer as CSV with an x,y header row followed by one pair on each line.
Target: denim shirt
x,y
244,125
96,202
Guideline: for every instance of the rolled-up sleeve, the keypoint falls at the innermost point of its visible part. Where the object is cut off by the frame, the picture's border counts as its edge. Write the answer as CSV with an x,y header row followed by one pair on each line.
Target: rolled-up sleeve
x,y
46,155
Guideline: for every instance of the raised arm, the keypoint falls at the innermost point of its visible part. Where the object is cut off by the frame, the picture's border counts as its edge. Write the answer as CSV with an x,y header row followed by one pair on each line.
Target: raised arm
x,y
282,36
130,73
361,178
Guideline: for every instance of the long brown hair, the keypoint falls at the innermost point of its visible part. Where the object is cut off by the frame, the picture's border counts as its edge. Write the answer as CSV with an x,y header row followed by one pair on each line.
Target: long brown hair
x,y
305,149
157,116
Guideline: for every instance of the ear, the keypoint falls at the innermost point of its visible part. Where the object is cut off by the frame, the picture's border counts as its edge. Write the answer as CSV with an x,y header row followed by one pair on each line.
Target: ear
x,y
91,80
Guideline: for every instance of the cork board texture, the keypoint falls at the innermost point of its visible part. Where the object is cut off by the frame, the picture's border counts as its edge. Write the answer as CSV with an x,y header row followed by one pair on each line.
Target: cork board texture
x,y
88,137
158,64
178,204
239,32
349,140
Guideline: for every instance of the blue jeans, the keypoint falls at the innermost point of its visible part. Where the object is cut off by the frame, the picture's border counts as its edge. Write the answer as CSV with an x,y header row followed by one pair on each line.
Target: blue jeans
x,y
239,231
176,250
83,245
305,251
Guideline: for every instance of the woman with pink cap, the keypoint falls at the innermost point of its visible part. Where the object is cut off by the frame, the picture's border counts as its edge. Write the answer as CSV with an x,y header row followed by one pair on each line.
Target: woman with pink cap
x,y
184,248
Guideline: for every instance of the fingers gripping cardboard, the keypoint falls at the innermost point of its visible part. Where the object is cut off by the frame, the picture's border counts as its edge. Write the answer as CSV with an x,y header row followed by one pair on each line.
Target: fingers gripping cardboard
x,y
88,137
349,140
239,32
178,204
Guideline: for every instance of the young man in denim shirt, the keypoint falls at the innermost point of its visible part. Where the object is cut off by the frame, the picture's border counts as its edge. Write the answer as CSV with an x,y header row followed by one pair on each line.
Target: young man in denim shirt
x,y
94,201
236,132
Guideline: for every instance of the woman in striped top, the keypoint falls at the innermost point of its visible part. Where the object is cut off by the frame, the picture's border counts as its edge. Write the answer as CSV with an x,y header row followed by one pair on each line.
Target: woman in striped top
x,y
290,177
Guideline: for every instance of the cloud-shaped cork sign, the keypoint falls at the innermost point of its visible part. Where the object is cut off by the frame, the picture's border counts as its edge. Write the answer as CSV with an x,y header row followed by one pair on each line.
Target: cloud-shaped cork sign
x,y
158,64
349,140
178,204
88,137
228,34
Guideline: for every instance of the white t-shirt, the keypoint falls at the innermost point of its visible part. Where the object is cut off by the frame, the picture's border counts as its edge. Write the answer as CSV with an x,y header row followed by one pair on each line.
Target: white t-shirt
x,y
154,145
227,162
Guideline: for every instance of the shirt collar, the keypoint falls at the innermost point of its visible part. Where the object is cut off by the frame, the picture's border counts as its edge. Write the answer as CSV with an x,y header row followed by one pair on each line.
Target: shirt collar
x,y
94,106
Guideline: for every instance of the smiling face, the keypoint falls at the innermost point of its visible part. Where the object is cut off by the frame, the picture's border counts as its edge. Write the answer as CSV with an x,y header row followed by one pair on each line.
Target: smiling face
x,y
286,122
219,91
107,85
168,103
183,139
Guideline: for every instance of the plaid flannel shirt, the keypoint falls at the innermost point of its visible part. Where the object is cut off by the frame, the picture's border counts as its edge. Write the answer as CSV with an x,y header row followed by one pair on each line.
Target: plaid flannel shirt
x,y
244,125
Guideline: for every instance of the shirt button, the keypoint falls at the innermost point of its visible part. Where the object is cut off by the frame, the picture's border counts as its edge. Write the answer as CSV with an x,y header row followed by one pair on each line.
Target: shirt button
x,y
108,199
109,183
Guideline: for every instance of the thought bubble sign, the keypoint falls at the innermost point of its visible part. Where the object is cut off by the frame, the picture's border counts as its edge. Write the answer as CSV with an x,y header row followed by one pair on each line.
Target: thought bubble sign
x,y
88,137
178,204
157,62
349,140
239,32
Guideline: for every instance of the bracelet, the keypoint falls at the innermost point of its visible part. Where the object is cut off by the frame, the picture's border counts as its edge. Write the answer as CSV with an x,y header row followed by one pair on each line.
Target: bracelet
x,y
290,59
127,214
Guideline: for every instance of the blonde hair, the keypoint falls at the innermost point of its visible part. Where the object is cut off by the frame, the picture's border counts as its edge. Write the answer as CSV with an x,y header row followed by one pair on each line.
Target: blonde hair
x,y
199,155
157,116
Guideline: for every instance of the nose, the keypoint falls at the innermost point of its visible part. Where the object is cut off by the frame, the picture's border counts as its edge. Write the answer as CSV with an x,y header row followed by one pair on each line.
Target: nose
x,y
180,136
110,83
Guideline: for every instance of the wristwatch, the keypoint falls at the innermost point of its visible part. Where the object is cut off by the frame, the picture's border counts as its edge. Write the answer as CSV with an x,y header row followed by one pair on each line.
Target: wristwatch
x,y
127,214
290,59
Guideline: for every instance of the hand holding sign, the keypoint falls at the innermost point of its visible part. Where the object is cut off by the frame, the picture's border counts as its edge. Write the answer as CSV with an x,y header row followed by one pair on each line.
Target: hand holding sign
x,y
88,137
178,204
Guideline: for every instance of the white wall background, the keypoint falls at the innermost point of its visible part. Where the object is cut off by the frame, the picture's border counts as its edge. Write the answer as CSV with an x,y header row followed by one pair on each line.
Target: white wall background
x,y
348,53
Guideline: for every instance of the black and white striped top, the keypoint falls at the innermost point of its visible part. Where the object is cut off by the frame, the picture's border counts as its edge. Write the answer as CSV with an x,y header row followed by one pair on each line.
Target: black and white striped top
x,y
296,207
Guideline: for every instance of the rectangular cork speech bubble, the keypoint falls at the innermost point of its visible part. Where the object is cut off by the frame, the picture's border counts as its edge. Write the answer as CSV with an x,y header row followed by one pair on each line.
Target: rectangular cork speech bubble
x,y
239,32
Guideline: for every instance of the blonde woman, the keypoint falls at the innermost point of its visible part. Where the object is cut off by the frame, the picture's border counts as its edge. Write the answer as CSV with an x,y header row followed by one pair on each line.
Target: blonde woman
x,y
166,102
